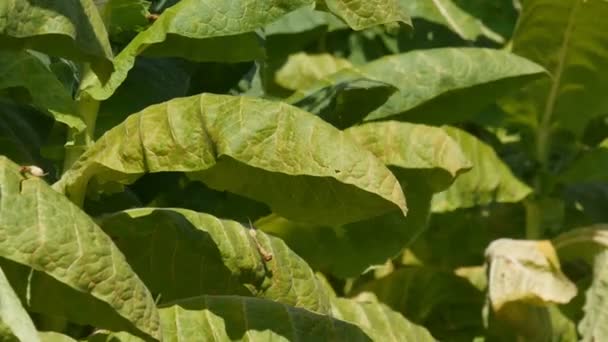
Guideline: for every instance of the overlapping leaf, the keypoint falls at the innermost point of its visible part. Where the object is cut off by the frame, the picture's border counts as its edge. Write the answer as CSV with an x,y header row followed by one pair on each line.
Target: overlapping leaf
x,y
80,274
21,69
361,14
301,70
445,12
566,38
424,159
200,30
590,167
447,85
490,180
180,253
15,323
70,29
300,166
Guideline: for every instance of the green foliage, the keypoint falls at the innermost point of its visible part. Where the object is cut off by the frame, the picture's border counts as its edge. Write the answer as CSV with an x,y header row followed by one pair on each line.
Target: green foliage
x,y
306,170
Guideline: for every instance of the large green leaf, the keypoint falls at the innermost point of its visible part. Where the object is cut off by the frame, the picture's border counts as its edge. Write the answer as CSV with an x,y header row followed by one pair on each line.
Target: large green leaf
x,y
71,29
300,166
424,159
42,231
447,85
21,69
378,321
445,12
361,14
489,181
566,37
343,98
200,30
301,70
15,324
527,271
446,304
181,253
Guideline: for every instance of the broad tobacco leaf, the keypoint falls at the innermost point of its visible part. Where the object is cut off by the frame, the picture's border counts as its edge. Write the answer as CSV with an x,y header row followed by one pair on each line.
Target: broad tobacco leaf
x,y
304,20
15,323
566,37
490,180
297,164
447,13
526,271
424,159
21,69
361,14
447,85
72,29
443,302
199,30
343,98
64,265
180,253
301,70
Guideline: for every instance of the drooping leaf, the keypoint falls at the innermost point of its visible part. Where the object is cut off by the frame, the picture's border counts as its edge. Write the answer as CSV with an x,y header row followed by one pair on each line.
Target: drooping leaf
x,y
526,271
301,70
72,29
446,12
490,180
343,98
446,304
201,254
54,248
361,14
233,318
378,321
21,69
447,85
300,166
199,30
15,323
582,243
566,38
424,159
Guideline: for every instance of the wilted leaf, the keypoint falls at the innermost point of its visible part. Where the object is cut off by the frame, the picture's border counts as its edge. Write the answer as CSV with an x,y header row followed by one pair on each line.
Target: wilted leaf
x,y
301,70
444,303
199,30
41,229
447,85
71,29
360,14
566,37
343,98
445,12
15,323
300,166
21,69
378,321
181,253
490,179
526,271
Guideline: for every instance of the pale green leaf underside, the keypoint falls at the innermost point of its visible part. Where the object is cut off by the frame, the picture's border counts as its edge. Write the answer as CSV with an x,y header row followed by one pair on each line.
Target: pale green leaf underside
x,y
594,325
43,230
13,316
51,336
445,12
361,14
21,69
200,30
378,321
424,159
201,254
301,70
447,85
567,38
526,271
490,179
299,165
233,318
71,29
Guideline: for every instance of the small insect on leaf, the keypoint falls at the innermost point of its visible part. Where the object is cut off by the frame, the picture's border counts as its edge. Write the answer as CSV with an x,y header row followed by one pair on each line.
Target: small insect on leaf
x,y
266,256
